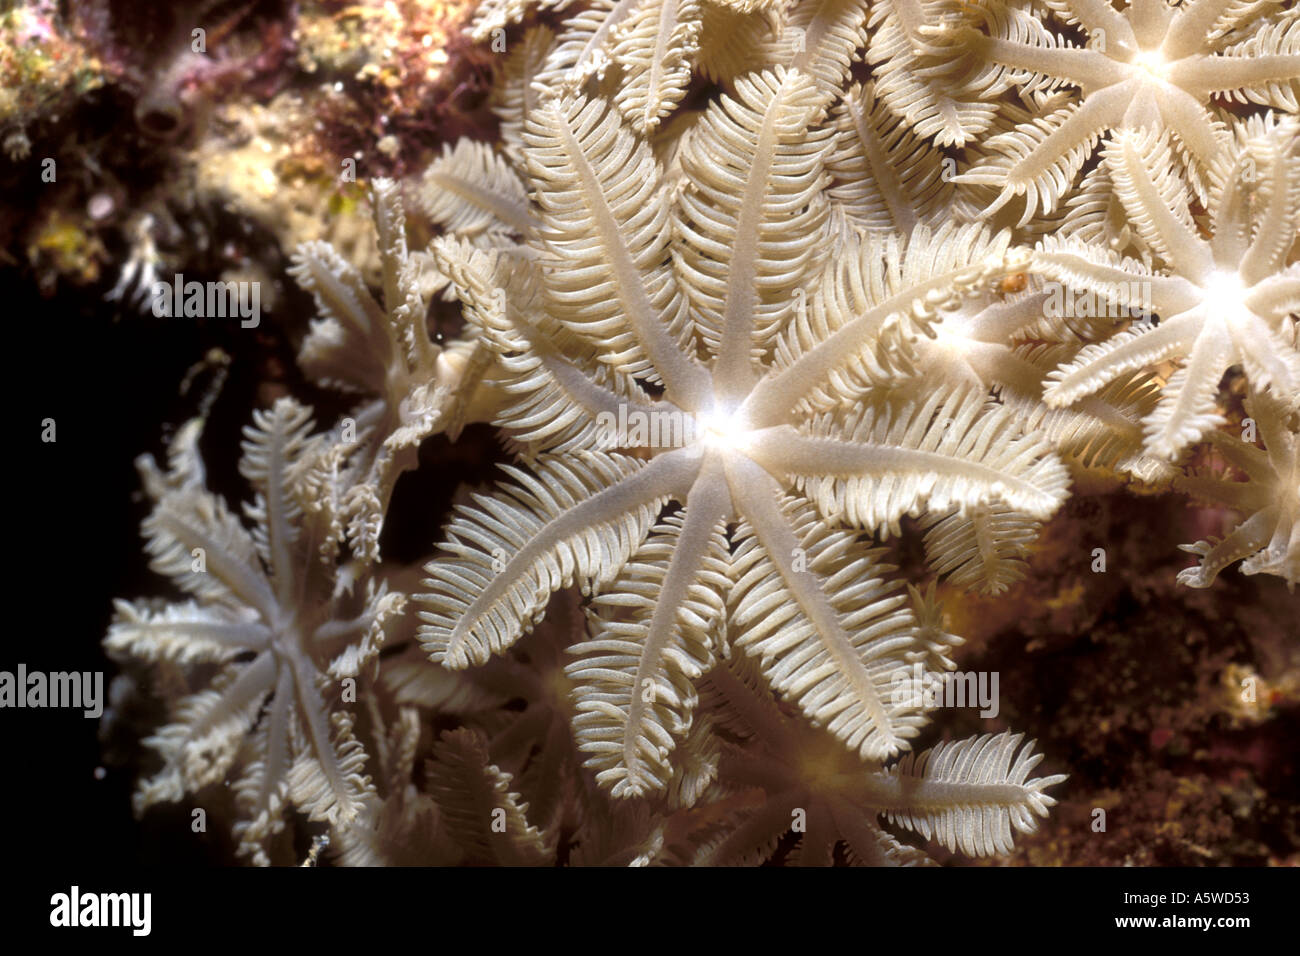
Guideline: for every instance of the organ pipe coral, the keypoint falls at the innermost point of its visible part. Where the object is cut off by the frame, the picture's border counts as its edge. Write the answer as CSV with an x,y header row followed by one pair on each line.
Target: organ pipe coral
x,y
805,327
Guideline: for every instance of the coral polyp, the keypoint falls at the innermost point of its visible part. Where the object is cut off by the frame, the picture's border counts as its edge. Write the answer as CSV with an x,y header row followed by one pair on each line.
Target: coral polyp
x,y
705,432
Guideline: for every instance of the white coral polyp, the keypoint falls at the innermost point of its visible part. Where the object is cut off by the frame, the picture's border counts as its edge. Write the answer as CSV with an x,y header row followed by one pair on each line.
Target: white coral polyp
x,y
723,428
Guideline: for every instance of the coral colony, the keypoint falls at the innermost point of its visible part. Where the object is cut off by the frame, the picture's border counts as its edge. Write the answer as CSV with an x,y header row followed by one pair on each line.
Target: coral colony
x,y
794,317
